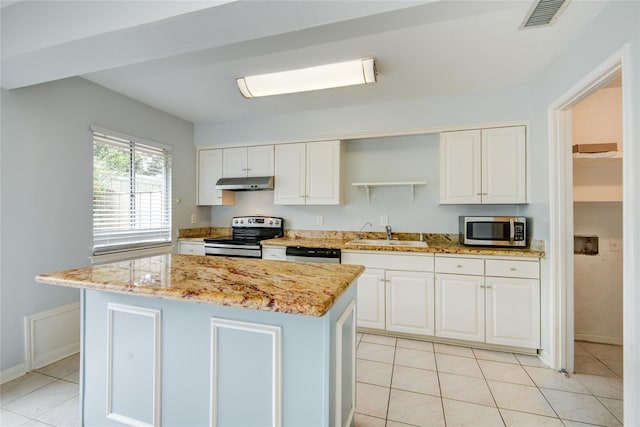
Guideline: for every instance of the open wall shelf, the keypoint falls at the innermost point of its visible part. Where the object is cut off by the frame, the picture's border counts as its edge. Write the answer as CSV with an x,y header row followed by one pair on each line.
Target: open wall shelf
x,y
369,185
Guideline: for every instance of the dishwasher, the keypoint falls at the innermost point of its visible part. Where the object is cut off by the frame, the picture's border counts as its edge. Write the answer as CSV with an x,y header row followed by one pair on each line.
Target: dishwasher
x,y
302,254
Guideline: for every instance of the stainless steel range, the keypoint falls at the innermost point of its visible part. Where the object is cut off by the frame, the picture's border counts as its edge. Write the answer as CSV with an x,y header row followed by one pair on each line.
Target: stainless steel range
x,y
247,232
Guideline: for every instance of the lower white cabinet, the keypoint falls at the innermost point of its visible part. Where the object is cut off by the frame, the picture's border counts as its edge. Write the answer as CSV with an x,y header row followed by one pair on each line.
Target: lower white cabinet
x,y
395,292
409,302
513,311
502,308
191,248
277,253
371,294
459,307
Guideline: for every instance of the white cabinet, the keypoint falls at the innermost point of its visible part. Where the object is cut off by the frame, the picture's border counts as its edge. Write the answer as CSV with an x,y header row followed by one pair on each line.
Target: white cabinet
x,y
307,173
277,253
409,302
483,166
395,292
209,171
191,248
513,303
496,301
459,307
244,162
371,293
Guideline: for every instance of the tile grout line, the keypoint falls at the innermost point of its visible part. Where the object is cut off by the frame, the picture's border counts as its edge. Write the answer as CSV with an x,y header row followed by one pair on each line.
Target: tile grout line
x,y
489,388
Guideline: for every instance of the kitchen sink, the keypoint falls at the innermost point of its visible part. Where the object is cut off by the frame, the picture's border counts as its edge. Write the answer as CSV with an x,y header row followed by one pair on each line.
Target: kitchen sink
x,y
384,242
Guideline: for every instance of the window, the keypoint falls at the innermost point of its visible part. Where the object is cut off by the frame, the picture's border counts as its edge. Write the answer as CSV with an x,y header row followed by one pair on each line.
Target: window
x,y
131,193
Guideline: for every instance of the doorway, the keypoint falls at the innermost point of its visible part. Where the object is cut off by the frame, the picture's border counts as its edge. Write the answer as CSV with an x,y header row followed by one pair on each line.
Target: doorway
x,y
596,140
560,345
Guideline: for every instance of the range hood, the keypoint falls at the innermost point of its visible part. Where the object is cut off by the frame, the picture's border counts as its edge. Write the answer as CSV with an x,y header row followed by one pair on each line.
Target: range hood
x,y
255,183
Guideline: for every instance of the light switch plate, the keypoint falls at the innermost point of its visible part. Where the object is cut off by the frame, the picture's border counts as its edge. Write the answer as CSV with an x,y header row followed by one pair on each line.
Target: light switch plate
x,y
320,220
384,220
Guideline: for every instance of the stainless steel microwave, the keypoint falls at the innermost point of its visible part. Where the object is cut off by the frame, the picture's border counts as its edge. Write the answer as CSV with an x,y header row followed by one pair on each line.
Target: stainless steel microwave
x,y
493,231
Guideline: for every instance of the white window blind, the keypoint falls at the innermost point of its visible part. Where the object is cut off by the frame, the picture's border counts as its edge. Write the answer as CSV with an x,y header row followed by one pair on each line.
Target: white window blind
x,y
131,193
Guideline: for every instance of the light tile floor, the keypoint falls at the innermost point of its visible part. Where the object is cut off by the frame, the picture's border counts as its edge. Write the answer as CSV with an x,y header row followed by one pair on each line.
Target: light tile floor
x,y
402,382
44,397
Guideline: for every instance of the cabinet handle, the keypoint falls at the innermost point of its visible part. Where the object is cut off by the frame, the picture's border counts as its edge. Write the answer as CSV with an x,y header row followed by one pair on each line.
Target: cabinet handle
x,y
459,266
488,287
513,269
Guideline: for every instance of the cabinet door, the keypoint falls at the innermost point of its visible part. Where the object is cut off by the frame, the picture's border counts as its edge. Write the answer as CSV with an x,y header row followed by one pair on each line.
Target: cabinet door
x,y
234,162
209,171
191,248
260,160
504,165
278,254
513,311
410,302
323,173
460,307
460,163
289,185
370,300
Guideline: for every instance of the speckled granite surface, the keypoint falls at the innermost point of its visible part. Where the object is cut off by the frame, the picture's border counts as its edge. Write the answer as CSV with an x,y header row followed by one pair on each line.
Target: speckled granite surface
x,y
201,233
287,287
438,243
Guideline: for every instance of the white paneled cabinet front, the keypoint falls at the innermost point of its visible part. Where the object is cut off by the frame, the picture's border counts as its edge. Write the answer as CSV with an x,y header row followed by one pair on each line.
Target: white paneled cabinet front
x,y
209,171
323,173
290,172
244,162
409,303
395,292
483,166
459,307
307,173
276,253
513,311
191,248
371,297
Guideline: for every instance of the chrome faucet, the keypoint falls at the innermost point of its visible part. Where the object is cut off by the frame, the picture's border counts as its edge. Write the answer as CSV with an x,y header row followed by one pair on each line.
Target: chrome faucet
x,y
362,228
388,228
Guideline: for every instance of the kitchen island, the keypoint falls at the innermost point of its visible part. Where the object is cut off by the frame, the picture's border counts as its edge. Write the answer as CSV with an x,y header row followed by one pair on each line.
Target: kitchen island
x,y
182,340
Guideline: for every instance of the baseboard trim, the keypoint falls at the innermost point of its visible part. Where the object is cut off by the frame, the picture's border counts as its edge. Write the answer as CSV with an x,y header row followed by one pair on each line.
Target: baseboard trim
x,y
603,339
13,373
545,357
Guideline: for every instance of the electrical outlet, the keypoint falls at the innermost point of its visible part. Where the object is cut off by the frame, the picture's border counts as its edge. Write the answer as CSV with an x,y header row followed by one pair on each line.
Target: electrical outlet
x,y
319,220
194,219
384,220
614,245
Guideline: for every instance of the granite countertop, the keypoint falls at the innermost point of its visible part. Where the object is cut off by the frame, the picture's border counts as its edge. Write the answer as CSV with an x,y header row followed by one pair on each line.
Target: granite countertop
x,y
287,287
437,243
438,247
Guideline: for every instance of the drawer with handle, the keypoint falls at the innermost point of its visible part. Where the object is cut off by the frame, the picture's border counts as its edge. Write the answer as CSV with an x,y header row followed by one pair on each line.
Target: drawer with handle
x,y
455,265
509,268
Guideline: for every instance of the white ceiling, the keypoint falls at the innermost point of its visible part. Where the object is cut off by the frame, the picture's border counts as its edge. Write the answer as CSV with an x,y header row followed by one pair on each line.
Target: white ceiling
x,y
183,56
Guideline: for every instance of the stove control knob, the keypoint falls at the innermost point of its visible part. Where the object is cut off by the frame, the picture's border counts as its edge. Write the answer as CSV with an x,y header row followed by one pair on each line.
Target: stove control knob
x,y
271,221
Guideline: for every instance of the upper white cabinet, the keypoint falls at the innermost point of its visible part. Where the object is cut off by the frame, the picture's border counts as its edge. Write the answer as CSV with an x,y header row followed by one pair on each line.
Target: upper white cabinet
x,y
244,162
307,173
483,166
209,171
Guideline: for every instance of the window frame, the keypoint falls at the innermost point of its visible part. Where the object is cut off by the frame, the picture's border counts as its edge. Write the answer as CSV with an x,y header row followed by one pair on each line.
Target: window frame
x,y
127,250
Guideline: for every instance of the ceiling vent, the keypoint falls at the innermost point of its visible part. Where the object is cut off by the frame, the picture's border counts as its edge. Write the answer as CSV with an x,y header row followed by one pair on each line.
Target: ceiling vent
x,y
544,13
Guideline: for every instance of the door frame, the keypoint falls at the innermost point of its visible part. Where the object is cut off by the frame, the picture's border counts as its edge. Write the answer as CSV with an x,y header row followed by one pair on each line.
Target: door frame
x,y
561,333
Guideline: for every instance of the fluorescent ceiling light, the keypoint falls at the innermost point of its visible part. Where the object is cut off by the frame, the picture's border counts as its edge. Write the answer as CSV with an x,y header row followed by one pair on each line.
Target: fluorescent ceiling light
x,y
359,71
